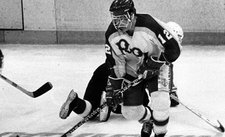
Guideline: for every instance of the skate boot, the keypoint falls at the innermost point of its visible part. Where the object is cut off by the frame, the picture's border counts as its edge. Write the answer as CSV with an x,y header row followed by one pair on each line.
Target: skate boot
x,y
174,103
147,127
160,135
117,109
69,105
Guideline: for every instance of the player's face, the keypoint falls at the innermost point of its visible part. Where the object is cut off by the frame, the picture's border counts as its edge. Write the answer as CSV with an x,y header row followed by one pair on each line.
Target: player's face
x,y
121,22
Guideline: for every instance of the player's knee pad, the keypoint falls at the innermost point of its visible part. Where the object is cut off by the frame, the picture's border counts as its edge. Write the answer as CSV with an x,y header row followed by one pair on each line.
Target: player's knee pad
x,y
104,112
133,112
160,105
160,100
164,78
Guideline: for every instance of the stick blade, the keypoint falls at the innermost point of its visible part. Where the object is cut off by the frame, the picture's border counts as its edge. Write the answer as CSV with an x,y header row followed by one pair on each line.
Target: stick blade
x,y
43,89
220,128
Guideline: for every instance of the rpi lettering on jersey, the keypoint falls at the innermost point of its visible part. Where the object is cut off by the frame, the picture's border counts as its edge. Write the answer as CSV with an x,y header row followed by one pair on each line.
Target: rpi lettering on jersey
x,y
123,46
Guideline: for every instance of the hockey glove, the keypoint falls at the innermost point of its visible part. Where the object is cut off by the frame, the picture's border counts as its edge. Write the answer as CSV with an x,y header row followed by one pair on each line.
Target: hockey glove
x,y
113,94
150,68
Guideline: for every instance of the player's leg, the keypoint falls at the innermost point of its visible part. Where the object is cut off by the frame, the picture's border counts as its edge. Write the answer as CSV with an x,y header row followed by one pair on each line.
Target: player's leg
x,y
132,107
92,96
145,103
117,109
147,127
160,104
95,91
96,85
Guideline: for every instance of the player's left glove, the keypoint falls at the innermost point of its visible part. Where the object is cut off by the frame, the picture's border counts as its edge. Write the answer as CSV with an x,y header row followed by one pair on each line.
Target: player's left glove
x,y
150,67
113,94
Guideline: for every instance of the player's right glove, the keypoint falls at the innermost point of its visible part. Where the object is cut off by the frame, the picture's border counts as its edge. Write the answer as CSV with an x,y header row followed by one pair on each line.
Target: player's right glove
x,y
150,67
113,94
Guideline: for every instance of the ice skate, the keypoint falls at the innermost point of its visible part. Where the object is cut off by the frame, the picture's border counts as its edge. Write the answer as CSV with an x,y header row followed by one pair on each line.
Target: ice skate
x,y
146,130
69,105
117,109
160,135
174,103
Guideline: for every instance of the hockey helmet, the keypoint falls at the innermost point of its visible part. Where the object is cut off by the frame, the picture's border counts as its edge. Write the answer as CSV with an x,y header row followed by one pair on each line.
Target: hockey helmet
x,y
177,29
122,12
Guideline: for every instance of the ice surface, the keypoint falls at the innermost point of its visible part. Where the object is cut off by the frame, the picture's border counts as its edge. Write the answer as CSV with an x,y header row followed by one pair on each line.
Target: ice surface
x,y
199,76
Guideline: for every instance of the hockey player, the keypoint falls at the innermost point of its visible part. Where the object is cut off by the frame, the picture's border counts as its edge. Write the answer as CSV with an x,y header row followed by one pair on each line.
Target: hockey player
x,y
140,45
83,106
97,84
1,61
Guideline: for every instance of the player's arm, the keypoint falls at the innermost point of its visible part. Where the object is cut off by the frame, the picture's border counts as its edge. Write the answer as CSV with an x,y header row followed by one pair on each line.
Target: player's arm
x,y
110,61
114,59
171,46
114,82
115,62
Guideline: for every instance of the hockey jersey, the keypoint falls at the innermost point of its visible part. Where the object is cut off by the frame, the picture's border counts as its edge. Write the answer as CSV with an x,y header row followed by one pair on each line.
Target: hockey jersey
x,y
126,52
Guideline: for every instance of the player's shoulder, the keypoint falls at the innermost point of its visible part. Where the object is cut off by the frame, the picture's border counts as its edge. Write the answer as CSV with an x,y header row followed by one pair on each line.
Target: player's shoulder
x,y
110,30
145,20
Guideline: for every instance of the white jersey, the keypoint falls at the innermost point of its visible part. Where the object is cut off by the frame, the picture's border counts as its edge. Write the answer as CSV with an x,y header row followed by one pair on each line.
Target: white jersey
x,y
126,52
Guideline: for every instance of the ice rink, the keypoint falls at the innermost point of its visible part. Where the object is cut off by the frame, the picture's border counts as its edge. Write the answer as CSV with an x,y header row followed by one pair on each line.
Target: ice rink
x,y
199,76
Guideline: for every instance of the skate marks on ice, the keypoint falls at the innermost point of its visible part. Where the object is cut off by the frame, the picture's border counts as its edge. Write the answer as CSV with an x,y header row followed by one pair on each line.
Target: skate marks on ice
x,y
46,134
24,134
117,126
134,135
95,129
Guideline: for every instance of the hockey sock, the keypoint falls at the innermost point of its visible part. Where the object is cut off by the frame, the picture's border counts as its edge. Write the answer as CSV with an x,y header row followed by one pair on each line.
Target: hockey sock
x,y
82,107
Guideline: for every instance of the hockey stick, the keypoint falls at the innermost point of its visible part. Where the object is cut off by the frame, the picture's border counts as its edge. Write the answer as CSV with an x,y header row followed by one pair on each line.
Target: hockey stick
x,y
97,110
217,125
43,89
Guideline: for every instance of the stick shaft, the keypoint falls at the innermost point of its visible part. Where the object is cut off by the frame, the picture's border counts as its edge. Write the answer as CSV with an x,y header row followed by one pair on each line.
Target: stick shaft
x,y
16,85
41,90
217,125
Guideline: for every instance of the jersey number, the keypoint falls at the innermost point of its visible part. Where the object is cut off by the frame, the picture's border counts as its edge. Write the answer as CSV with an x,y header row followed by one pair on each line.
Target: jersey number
x,y
167,34
107,49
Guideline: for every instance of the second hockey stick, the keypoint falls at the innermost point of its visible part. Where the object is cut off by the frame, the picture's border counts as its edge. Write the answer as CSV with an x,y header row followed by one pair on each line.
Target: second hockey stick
x,y
217,125
43,89
96,111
